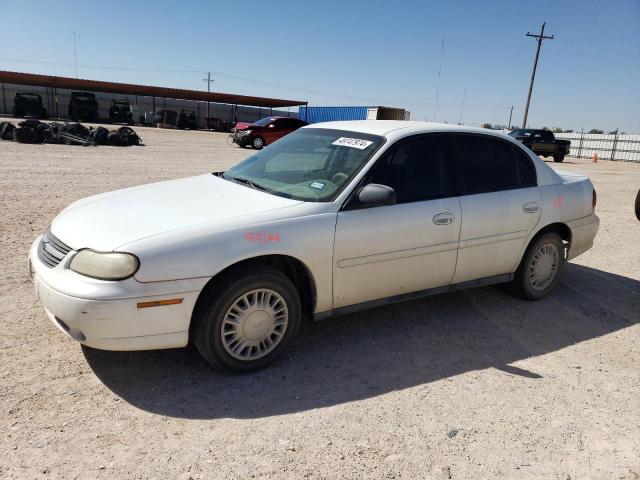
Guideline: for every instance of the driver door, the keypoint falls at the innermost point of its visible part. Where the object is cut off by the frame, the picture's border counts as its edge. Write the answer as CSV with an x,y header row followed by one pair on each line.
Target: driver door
x,y
392,250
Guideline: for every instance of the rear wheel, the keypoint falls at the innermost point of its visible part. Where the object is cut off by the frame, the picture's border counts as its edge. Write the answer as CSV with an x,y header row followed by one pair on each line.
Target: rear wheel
x,y
558,158
247,319
257,143
540,268
638,205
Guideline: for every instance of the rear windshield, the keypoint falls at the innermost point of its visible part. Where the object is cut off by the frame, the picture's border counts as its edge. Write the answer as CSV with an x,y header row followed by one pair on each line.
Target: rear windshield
x,y
311,164
520,133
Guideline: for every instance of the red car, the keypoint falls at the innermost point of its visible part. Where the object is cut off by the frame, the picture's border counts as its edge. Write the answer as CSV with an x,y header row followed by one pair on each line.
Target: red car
x,y
265,131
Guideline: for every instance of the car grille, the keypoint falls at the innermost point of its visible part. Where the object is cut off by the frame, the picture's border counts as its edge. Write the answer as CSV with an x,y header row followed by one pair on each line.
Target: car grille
x,y
51,250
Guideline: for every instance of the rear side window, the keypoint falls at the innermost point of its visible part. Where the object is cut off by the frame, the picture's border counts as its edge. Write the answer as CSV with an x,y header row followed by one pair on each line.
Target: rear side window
x,y
486,164
526,169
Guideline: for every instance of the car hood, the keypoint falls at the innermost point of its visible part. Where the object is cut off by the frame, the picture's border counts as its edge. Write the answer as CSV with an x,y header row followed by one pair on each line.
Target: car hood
x,y
243,126
107,221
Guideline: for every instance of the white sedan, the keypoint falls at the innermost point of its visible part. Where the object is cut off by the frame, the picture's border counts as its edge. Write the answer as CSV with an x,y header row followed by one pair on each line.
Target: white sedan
x,y
331,219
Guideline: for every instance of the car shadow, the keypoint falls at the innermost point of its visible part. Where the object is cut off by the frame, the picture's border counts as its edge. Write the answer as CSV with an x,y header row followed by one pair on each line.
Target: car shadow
x,y
371,353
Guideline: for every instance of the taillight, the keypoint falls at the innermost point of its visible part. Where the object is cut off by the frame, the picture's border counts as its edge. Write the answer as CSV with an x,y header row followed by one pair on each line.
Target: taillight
x,y
594,200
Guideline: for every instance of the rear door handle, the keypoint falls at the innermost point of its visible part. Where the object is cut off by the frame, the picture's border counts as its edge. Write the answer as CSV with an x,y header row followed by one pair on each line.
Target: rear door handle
x,y
445,218
531,207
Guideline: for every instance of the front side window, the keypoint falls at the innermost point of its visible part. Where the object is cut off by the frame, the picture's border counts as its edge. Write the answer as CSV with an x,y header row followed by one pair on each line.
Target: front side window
x,y
417,169
486,164
310,164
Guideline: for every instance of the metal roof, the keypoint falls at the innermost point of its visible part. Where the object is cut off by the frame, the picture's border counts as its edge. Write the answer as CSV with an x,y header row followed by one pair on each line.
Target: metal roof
x,y
146,90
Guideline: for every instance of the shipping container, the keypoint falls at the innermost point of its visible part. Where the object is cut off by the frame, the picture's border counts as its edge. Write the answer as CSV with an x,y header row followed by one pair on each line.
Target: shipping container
x,y
333,114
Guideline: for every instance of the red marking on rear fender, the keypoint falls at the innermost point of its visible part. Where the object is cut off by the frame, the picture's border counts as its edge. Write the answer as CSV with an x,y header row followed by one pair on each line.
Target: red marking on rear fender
x,y
558,201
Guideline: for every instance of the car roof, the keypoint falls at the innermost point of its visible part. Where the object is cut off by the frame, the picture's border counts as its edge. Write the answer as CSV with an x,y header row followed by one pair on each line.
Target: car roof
x,y
401,128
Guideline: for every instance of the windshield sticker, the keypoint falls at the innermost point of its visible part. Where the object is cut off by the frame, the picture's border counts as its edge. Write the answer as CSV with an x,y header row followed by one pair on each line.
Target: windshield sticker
x,y
318,185
352,142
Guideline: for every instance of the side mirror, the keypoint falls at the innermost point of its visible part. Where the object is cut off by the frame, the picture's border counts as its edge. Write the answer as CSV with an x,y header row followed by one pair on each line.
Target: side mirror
x,y
376,195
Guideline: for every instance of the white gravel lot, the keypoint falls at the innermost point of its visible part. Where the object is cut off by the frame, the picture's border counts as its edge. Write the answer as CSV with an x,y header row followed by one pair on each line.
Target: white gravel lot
x,y
467,385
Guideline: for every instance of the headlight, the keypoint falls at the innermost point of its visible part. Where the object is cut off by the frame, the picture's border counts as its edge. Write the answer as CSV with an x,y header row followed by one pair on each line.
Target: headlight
x,y
104,266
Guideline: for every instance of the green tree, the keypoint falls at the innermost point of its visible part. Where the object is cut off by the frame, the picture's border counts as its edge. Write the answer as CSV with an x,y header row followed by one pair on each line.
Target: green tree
x,y
595,130
485,125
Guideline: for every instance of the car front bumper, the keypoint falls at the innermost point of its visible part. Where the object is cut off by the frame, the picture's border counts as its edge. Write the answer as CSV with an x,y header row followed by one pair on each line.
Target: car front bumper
x,y
241,140
107,314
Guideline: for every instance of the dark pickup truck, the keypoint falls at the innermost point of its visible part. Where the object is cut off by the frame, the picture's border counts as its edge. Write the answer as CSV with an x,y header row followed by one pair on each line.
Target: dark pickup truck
x,y
542,142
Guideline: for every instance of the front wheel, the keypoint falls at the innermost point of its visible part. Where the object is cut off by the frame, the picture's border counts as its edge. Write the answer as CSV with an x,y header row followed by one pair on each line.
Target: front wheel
x,y
247,319
257,143
558,158
638,205
540,268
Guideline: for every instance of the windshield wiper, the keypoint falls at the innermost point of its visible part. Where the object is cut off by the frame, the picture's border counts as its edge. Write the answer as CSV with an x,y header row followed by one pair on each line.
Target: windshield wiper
x,y
246,181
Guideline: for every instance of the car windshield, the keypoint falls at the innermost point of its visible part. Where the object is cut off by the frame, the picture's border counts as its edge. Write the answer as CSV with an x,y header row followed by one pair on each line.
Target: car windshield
x,y
311,164
520,133
264,122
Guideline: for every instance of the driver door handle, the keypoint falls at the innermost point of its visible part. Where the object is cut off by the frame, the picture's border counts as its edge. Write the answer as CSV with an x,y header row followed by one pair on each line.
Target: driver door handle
x,y
445,218
531,207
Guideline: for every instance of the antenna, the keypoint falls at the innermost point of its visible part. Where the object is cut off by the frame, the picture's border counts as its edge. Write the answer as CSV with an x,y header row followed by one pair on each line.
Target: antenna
x,y
435,114
75,54
464,95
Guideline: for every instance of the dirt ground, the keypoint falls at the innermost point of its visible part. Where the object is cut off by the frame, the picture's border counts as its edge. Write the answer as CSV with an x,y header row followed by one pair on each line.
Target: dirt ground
x,y
467,385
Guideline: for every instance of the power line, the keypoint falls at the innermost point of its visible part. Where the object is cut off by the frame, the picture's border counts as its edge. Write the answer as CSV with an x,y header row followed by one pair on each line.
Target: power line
x,y
539,37
371,100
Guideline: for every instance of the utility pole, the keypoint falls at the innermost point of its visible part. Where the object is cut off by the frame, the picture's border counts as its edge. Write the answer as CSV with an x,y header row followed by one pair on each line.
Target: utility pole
x,y
510,115
539,38
208,82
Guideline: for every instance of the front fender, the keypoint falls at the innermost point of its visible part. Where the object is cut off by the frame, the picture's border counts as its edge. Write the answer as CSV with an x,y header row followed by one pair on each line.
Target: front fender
x,y
202,252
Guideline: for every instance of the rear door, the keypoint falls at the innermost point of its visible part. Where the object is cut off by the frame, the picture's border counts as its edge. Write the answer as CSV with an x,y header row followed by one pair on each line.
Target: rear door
x,y
500,205
391,250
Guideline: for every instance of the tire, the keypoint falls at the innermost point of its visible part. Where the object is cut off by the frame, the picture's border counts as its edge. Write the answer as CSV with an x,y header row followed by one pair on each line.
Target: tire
x,y
219,311
257,143
638,205
540,250
558,158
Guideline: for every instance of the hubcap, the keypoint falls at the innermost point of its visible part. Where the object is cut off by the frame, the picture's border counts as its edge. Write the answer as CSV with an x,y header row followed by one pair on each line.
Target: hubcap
x,y
544,266
257,143
254,324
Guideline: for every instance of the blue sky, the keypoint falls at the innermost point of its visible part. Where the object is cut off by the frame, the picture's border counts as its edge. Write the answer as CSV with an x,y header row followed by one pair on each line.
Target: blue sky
x,y
353,53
